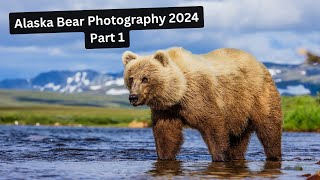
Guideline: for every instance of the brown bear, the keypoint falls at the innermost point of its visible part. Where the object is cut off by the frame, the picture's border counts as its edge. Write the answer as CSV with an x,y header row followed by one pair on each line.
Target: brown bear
x,y
225,94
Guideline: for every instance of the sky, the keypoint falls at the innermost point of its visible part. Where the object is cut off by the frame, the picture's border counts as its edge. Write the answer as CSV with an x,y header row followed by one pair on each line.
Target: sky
x,y
271,30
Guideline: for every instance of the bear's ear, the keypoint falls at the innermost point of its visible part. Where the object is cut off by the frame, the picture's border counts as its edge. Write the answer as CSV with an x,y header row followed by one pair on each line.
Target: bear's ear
x,y
162,57
128,56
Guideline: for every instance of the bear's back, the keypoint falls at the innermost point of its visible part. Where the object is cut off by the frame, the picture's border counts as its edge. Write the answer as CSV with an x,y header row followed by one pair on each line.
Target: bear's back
x,y
229,60
220,62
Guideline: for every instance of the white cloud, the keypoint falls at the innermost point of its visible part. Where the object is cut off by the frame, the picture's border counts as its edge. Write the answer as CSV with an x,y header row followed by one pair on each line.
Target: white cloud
x,y
30,49
249,15
277,47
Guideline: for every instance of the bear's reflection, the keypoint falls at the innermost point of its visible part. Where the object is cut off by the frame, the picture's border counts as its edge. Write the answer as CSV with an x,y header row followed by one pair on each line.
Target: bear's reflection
x,y
239,169
161,168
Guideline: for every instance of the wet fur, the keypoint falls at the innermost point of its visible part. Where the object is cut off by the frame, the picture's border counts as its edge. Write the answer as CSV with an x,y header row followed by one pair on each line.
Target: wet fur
x,y
225,94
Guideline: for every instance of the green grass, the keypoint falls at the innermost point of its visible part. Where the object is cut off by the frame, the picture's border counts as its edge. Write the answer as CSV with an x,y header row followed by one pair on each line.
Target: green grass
x,y
301,113
46,108
71,115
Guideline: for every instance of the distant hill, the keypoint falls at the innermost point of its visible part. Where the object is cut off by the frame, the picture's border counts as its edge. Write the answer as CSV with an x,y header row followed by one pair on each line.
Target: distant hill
x,y
290,80
295,79
19,98
71,82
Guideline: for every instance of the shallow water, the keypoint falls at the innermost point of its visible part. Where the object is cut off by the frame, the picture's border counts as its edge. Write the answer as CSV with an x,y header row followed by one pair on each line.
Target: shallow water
x,y
29,152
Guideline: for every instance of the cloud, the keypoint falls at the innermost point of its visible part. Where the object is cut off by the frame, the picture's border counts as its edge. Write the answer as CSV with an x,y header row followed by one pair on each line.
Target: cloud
x,y
271,30
279,47
31,49
252,15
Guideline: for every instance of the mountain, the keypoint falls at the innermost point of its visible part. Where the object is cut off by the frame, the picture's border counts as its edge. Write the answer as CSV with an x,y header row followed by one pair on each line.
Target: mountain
x,y
295,79
71,82
290,80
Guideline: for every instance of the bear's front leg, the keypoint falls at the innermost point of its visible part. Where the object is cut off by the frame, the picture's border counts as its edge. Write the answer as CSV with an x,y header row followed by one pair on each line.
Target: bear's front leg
x,y
168,137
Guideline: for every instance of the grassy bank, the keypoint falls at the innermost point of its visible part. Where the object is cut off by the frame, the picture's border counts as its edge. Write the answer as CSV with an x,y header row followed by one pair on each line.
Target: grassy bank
x,y
71,115
48,108
301,113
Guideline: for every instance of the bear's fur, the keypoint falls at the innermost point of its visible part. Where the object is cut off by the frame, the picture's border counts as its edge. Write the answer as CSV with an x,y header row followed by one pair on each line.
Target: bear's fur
x,y
225,94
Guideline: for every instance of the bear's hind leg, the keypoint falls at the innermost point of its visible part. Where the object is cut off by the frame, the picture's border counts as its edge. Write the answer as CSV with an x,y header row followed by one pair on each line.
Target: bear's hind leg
x,y
267,119
269,135
239,145
269,129
168,137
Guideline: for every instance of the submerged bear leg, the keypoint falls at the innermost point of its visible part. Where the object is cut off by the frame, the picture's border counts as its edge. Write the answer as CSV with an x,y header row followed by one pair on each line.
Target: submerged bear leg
x,y
268,128
168,137
269,134
217,142
239,145
268,125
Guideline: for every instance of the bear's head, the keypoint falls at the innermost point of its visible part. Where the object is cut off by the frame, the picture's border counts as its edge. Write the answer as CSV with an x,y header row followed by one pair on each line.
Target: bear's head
x,y
153,80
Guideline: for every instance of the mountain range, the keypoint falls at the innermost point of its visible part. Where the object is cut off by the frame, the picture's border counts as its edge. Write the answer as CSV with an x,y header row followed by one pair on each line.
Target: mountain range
x,y
290,80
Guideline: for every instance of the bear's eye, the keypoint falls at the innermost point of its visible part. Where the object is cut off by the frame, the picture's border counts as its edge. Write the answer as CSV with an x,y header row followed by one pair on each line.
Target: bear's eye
x,y
130,80
144,80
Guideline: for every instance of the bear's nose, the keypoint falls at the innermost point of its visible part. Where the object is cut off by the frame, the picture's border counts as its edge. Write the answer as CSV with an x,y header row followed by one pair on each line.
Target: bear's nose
x,y
133,98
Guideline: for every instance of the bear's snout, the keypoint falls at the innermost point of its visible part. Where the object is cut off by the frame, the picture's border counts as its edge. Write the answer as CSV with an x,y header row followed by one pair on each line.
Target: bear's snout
x,y
133,98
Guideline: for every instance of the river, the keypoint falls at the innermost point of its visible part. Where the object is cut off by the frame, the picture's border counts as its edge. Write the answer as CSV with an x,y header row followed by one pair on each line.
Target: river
x,y
31,152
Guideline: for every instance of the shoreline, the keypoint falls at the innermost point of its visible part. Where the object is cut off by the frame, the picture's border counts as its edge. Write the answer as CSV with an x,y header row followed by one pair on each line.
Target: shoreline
x,y
123,126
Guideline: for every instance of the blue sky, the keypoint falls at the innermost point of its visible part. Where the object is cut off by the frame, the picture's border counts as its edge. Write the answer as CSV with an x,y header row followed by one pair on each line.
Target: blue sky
x,y
271,29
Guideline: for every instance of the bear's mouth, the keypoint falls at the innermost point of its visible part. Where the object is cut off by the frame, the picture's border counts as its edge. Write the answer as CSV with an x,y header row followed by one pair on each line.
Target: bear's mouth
x,y
137,102
134,102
